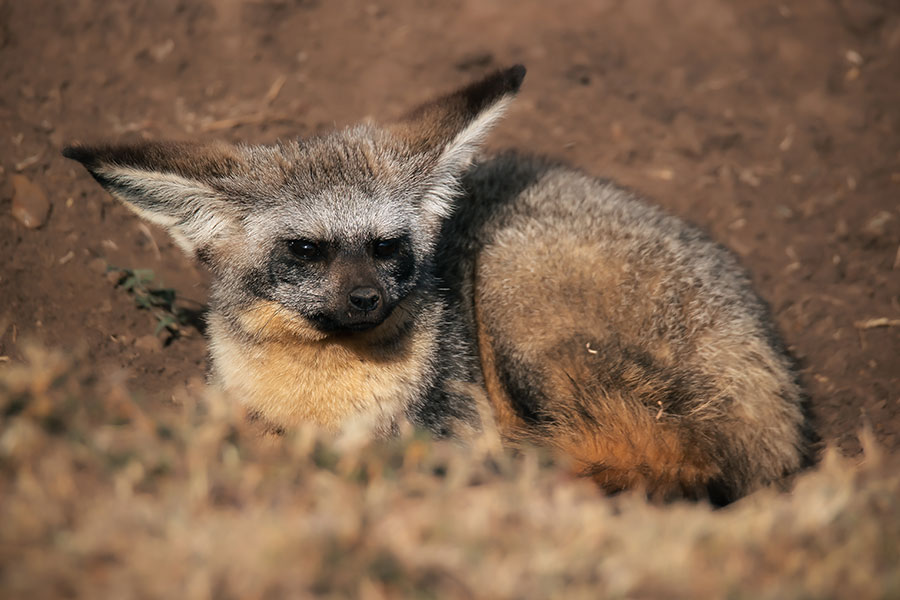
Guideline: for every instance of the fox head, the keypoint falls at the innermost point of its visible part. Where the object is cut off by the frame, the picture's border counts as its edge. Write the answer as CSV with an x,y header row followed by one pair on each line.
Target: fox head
x,y
333,231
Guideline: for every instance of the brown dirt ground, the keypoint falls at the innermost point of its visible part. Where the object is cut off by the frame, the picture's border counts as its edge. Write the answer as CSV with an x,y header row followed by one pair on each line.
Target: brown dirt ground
x,y
775,125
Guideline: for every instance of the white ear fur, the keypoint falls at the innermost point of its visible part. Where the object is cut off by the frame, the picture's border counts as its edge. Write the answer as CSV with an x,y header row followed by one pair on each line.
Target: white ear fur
x,y
456,156
192,212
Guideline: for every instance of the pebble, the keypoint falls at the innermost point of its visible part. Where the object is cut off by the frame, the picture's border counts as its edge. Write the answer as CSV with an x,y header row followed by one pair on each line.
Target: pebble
x,y
98,265
30,205
877,225
148,343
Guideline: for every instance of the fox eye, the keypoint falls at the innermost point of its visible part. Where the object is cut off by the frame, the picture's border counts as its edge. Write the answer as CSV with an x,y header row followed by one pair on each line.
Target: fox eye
x,y
386,248
305,249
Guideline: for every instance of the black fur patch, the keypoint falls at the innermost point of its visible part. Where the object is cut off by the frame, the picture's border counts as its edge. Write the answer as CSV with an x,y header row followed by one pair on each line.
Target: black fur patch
x,y
523,387
614,366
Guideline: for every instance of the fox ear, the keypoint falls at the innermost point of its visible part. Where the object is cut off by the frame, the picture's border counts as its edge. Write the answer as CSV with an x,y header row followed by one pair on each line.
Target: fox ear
x,y
451,128
170,184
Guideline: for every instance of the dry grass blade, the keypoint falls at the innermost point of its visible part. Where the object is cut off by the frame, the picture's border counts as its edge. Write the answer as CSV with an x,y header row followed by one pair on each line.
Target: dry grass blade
x,y
879,322
248,119
275,89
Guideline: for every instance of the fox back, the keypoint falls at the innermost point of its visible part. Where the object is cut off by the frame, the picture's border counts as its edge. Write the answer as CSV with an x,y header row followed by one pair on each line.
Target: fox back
x,y
389,273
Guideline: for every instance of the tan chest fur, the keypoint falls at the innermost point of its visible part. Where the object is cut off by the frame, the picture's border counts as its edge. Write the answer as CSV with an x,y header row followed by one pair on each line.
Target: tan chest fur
x,y
291,374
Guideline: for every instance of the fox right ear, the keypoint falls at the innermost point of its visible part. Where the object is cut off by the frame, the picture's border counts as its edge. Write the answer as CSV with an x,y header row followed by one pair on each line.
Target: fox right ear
x,y
451,128
170,184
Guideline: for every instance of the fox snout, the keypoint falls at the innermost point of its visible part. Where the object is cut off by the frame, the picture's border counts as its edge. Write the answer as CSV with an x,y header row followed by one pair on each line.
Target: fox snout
x,y
351,320
359,306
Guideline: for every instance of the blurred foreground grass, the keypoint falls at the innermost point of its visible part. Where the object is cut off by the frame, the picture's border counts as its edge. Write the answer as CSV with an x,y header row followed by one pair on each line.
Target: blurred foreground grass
x,y
102,498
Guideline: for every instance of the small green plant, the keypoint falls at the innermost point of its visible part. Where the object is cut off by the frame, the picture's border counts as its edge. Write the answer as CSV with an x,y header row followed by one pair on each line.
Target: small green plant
x,y
159,301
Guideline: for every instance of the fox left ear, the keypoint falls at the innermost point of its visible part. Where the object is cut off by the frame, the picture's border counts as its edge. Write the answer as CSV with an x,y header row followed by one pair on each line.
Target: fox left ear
x,y
172,184
451,128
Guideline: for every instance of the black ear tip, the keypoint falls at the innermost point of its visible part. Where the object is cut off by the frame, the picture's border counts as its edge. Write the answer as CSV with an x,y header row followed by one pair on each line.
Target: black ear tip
x,y
516,74
79,153
509,80
499,83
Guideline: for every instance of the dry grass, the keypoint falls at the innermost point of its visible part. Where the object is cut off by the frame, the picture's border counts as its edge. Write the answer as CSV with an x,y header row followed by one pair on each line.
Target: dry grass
x,y
102,498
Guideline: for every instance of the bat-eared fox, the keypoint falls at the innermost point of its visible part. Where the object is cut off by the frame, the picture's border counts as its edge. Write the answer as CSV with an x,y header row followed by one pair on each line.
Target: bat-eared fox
x,y
390,273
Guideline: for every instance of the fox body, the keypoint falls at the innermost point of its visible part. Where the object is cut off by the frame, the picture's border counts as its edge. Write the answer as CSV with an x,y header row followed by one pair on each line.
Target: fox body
x,y
381,273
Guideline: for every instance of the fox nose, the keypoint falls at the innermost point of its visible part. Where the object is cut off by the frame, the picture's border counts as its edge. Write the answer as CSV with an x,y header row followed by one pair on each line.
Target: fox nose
x,y
365,298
